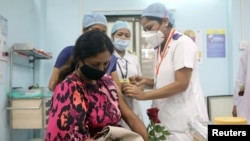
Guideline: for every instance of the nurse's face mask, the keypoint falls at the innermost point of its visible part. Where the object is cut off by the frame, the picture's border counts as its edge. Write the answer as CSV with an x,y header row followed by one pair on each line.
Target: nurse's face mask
x,y
154,38
121,44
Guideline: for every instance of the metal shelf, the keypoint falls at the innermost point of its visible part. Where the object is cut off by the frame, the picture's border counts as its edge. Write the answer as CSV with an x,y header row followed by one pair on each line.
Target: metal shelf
x,y
28,50
25,55
34,53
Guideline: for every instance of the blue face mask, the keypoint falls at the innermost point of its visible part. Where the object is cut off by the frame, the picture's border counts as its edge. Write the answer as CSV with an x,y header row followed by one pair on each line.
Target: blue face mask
x,y
121,44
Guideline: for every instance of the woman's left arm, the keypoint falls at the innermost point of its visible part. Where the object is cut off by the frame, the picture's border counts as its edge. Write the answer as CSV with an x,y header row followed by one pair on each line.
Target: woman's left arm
x,y
115,77
131,118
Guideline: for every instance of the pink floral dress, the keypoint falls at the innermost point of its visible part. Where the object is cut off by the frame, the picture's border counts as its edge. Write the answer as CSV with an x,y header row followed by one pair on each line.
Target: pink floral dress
x,y
79,110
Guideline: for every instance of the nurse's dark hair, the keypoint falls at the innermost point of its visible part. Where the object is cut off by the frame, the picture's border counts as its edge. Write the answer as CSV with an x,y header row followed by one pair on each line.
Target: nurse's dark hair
x,y
159,20
89,44
85,29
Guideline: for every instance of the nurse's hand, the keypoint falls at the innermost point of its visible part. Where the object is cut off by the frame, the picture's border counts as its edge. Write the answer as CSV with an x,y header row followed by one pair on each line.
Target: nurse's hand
x,y
132,91
137,80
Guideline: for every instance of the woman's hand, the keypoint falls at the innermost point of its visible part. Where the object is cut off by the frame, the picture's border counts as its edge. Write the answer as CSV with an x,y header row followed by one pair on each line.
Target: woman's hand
x,y
132,90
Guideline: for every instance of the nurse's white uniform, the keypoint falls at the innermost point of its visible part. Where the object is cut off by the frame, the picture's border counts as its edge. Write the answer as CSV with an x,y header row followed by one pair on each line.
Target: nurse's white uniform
x,y
243,79
133,68
177,111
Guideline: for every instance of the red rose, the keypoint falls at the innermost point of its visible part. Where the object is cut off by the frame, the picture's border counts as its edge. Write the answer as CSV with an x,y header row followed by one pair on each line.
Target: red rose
x,y
153,115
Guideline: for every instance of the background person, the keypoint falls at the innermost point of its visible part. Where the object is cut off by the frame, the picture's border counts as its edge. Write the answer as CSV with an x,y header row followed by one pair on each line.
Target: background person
x,y
176,86
87,100
241,95
127,64
91,21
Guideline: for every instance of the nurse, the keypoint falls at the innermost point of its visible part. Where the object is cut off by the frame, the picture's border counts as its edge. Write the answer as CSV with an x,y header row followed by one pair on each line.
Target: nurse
x,y
127,64
91,21
176,86
241,95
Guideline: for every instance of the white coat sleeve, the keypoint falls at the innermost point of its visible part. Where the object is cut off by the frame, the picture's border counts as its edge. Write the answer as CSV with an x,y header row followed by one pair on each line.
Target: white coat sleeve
x,y
138,66
241,76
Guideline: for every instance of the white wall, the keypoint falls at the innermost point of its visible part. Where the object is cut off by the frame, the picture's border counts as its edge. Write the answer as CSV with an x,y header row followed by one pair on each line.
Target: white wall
x,y
23,27
62,25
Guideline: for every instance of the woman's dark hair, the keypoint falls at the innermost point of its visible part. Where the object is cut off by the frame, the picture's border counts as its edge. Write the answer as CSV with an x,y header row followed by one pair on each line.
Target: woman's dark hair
x,y
89,44
92,43
159,20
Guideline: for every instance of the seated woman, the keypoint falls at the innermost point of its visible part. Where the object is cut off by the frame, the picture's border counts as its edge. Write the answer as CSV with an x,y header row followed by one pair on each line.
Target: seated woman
x,y
87,100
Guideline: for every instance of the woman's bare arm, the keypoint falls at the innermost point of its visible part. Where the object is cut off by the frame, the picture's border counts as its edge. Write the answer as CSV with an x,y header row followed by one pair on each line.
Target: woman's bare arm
x,y
131,118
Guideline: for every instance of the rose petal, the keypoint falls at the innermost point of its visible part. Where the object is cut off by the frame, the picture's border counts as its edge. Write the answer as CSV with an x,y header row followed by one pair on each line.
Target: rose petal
x,y
153,114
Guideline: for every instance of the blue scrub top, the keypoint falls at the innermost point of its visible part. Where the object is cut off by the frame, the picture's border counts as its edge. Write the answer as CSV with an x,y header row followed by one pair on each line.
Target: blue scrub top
x,y
68,51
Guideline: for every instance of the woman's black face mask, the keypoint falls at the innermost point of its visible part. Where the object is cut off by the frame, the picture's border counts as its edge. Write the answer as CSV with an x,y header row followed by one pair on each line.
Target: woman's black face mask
x,y
91,73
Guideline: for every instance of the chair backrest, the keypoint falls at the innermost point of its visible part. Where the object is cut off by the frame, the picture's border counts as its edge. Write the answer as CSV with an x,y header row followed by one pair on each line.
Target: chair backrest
x,y
219,105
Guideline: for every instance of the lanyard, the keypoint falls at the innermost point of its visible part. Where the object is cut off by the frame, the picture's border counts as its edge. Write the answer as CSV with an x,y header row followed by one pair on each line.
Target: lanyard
x,y
164,52
124,75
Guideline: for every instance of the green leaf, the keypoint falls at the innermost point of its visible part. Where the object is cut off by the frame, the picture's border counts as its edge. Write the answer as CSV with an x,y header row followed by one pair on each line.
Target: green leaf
x,y
159,128
152,138
162,128
157,132
162,137
152,133
166,132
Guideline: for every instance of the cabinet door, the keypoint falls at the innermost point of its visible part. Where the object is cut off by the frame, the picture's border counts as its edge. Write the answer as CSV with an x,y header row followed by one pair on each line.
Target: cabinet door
x,y
26,113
